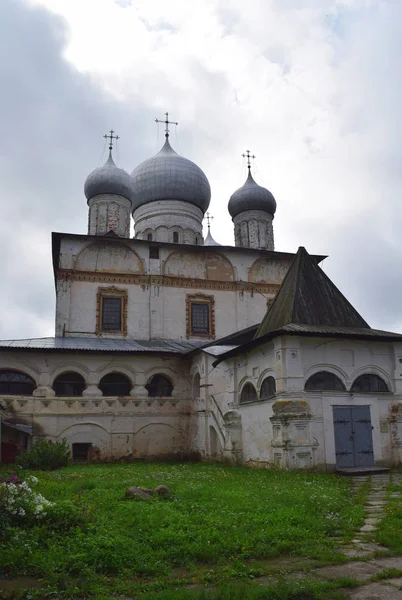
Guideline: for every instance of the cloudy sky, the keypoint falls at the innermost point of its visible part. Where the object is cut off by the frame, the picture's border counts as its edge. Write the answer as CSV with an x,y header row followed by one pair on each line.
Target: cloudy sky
x,y
312,87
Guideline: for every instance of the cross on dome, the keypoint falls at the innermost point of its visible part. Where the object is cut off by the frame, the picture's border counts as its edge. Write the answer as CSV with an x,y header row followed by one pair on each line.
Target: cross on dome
x,y
209,219
111,137
167,123
249,157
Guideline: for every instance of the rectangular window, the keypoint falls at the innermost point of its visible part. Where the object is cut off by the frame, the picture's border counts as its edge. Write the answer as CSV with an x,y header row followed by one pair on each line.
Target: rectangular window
x,y
154,252
111,311
199,318
111,314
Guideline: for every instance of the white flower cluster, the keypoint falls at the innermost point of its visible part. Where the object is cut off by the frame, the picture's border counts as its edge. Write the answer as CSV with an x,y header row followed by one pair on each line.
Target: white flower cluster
x,y
20,499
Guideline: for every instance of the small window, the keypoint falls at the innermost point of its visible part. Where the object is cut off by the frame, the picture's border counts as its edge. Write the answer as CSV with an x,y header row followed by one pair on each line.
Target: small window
x,y
369,383
69,384
111,315
115,384
154,252
81,452
196,386
324,381
149,237
248,394
158,386
196,240
175,237
199,318
268,388
15,383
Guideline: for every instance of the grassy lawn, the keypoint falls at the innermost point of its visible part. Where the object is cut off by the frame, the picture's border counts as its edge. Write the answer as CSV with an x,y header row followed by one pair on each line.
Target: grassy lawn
x,y
222,532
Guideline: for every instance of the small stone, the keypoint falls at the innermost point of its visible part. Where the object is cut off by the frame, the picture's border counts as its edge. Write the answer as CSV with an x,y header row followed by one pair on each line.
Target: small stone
x,y
162,490
137,493
368,528
146,490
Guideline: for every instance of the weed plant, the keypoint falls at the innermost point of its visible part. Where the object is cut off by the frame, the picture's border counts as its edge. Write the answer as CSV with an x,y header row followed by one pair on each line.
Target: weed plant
x,y
221,524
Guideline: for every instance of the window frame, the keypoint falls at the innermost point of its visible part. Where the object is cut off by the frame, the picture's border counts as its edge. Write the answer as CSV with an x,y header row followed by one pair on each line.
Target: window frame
x,y
111,293
200,299
29,381
248,384
65,375
370,377
269,379
151,386
323,373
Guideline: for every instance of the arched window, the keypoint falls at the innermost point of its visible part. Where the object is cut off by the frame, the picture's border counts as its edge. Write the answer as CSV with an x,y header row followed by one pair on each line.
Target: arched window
x,y
15,383
69,384
175,237
324,381
196,386
115,384
149,237
268,388
248,394
369,383
196,240
159,385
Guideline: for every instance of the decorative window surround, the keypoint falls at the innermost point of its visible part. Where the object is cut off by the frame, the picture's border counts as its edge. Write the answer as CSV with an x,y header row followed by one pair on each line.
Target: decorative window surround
x,y
111,292
204,299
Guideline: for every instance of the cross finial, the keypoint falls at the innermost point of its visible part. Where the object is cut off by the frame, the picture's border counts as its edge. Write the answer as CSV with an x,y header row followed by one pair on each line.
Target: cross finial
x,y
209,219
167,123
111,137
249,157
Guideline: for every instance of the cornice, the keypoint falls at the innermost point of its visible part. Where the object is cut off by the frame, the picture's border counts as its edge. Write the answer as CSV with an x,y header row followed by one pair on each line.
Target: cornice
x,y
166,281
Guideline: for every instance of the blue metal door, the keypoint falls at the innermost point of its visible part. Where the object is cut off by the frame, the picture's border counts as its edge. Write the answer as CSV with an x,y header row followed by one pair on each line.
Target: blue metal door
x,y
353,437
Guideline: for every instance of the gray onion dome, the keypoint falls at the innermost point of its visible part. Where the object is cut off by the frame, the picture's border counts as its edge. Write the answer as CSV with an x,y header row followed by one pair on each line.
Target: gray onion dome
x,y
251,196
169,176
109,179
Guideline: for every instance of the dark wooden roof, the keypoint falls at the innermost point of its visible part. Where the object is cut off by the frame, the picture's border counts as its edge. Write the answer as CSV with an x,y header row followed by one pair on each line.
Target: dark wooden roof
x,y
308,297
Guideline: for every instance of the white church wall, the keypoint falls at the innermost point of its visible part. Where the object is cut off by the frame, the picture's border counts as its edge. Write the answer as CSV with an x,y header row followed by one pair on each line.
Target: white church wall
x,y
295,428
134,426
240,282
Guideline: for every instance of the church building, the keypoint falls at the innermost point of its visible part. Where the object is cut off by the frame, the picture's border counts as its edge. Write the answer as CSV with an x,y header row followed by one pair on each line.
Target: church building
x,y
168,345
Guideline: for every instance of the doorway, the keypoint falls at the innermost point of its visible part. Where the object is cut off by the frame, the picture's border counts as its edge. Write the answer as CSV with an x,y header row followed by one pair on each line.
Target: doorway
x,y
353,437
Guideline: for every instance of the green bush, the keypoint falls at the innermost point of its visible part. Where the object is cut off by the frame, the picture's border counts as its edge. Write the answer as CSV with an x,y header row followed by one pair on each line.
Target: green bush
x,y
63,515
45,456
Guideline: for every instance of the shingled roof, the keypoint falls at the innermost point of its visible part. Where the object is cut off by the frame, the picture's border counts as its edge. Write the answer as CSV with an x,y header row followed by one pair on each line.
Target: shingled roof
x,y
308,297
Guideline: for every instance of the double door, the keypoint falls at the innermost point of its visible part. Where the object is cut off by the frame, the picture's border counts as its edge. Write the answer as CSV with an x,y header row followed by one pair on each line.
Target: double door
x,y
353,437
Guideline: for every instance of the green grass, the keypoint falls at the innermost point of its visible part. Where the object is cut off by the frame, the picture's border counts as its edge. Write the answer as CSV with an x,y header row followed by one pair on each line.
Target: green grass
x,y
221,525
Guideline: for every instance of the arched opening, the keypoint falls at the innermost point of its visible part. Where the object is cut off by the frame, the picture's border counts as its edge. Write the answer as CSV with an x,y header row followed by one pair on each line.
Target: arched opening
x,y
196,241
369,383
69,384
324,381
158,386
149,237
248,394
268,388
175,237
15,383
115,384
196,386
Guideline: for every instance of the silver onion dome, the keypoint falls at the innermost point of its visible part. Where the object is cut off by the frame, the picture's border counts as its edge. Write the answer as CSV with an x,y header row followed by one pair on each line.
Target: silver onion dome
x,y
209,240
109,179
169,176
251,196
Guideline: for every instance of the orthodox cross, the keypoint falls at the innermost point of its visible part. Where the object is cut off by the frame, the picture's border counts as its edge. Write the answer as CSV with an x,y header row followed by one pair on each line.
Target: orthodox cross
x,y
111,137
249,157
209,219
167,123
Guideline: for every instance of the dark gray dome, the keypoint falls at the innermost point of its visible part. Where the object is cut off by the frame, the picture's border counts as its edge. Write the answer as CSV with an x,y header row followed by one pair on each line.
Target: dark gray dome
x,y
169,176
251,196
109,179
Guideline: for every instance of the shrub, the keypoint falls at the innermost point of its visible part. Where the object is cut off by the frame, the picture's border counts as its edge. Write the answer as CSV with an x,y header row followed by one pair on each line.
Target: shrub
x,y
45,456
20,505
63,515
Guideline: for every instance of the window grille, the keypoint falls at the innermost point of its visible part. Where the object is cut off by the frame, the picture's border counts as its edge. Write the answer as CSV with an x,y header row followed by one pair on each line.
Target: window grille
x,y
15,383
200,318
111,314
369,383
324,381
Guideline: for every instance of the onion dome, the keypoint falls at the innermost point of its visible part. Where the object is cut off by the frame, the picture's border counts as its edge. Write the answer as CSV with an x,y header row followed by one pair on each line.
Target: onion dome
x,y
169,176
109,179
251,196
209,240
